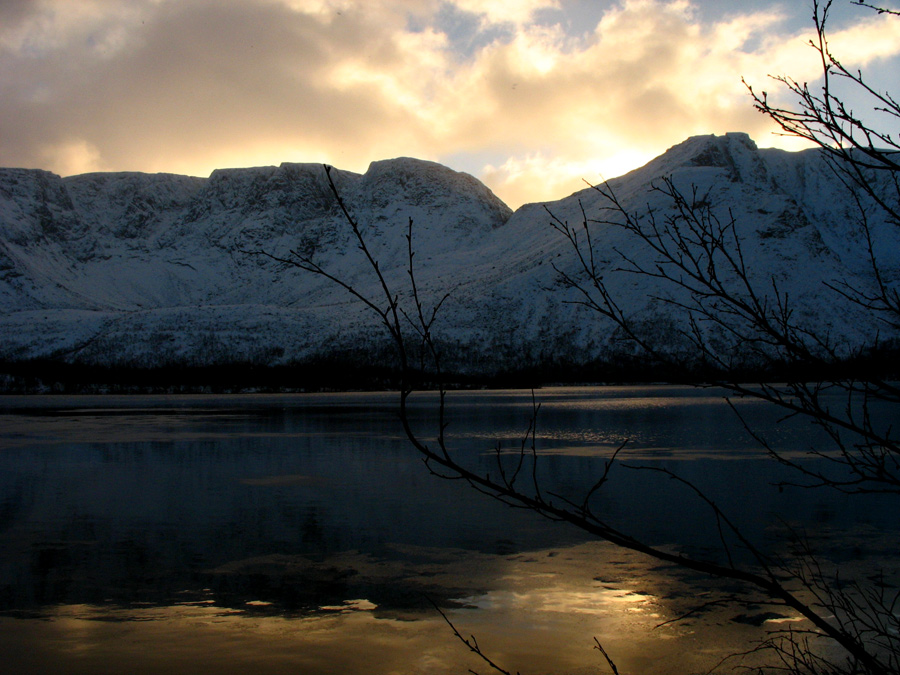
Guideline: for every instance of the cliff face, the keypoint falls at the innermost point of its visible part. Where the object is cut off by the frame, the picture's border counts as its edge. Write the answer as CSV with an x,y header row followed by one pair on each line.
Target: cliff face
x,y
162,269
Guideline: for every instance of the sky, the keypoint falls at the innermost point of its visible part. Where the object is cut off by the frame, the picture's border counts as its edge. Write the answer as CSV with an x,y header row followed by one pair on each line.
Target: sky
x,y
533,97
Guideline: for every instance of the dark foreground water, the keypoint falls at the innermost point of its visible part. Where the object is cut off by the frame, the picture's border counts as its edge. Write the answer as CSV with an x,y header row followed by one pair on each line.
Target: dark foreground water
x,y
303,534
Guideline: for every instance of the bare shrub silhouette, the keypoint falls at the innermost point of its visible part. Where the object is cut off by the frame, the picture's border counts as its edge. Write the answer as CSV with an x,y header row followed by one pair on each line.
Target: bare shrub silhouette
x,y
697,253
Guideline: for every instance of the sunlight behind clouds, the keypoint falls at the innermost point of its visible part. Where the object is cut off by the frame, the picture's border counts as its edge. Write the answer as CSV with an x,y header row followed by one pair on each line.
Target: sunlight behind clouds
x,y
190,86
73,157
536,177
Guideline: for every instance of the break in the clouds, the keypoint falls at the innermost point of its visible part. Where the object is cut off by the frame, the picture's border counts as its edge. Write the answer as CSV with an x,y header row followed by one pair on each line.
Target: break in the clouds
x,y
532,96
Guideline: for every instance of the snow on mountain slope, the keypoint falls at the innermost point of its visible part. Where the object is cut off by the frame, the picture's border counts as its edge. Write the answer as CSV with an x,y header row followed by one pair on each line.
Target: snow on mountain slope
x,y
795,220
162,269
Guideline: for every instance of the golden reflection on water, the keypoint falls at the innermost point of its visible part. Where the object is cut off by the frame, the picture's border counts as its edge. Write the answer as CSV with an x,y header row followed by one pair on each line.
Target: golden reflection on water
x,y
534,612
540,615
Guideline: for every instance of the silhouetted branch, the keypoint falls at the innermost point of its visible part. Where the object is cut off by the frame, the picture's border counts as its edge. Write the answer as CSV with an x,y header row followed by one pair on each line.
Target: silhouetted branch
x,y
609,661
469,642
442,462
696,256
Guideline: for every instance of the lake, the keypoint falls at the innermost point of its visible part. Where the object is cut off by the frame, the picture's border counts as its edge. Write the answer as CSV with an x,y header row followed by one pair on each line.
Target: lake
x,y
303,534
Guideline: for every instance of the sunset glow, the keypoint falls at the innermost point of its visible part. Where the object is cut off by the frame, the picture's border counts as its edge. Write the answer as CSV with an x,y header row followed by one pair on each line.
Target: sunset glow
x,y
532,97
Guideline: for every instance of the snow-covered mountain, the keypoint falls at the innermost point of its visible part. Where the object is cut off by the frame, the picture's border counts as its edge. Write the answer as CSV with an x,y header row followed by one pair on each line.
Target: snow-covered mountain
x,y
138,269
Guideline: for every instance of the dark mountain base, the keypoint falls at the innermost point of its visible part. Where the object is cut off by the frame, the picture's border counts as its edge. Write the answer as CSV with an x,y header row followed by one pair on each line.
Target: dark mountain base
x,y
356,372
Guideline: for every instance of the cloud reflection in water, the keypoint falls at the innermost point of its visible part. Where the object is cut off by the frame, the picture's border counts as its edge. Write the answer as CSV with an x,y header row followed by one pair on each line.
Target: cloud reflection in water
x,y
540,615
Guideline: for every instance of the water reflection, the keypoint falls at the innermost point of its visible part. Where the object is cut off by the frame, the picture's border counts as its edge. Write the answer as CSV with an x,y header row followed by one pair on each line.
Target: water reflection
x,y
543,609
233,519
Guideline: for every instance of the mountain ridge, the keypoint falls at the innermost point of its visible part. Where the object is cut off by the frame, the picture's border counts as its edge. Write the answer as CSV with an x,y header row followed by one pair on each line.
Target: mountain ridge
x,y
159,270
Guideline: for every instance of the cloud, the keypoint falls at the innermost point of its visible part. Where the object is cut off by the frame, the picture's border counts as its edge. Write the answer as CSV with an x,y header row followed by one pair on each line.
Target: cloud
x,y
191,85
505,11
195,83
651,76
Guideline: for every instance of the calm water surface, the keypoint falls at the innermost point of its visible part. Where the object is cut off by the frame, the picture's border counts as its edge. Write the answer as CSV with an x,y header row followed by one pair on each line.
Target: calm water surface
x,y
302,533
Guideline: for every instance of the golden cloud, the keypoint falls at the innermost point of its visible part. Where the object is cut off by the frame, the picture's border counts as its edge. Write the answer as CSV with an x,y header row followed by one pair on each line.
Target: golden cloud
x,y
189,86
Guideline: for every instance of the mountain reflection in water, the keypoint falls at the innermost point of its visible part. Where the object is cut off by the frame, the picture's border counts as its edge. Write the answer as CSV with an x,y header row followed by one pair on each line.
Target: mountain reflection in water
x,y
301,533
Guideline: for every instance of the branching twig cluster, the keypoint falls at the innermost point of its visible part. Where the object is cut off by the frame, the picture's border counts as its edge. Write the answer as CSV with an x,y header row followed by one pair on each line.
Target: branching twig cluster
x,y
695,255
505,485
699,258
696,252
862,152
